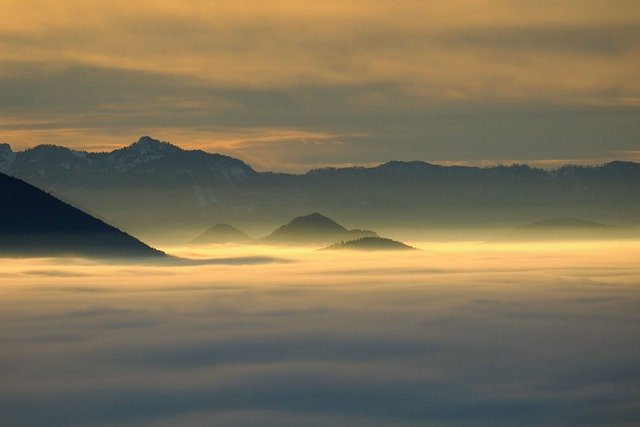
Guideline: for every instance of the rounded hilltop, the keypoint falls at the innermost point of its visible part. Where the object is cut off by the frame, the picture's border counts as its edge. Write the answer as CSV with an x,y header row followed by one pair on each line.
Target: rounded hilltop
x,y
222,233
314,228
372,244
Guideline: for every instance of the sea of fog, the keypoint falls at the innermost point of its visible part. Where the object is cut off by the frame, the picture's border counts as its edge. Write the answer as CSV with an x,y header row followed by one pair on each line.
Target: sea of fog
x,y
456,334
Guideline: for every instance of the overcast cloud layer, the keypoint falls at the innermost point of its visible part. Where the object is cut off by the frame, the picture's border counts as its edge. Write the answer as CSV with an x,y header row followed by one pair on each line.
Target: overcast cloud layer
x,y
290,85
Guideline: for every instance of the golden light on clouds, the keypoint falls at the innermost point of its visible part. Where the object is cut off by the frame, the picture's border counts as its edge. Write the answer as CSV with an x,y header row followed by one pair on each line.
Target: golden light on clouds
x,y
454,50
212,61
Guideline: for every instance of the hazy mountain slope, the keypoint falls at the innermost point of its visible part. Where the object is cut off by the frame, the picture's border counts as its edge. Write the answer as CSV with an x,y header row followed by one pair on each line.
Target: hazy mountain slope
x,y
222,233
34,223
561,223
568,229
152,186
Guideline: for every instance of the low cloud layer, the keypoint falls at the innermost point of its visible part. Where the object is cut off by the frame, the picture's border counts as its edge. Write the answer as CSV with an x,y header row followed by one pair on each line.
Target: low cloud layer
x,y
493,343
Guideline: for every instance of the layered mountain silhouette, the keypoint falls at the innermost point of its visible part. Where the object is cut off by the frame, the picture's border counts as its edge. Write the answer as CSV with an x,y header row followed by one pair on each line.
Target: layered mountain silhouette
x,y
222,233
372,244
314,228
147,162
153,185
33,223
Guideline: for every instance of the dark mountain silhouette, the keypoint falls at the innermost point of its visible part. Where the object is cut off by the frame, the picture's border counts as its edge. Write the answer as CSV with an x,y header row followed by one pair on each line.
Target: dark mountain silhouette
x,y
151,185
222,233
555,223
371,244
313,228
33,223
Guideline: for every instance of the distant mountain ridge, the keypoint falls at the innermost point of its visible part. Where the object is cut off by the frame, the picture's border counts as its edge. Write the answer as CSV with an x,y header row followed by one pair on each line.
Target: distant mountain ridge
x,y
567,228
55,164
33,223
151,185
147,161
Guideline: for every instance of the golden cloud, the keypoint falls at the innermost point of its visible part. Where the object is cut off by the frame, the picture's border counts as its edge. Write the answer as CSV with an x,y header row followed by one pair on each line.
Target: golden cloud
x,y
558,52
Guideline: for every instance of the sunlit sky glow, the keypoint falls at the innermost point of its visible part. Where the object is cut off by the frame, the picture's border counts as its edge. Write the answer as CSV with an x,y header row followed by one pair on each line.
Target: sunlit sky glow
x,y
290,85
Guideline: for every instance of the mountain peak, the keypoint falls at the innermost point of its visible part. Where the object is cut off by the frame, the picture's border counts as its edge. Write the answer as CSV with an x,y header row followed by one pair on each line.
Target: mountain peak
x,y
314,227
308,227
146,145
144,150
316,220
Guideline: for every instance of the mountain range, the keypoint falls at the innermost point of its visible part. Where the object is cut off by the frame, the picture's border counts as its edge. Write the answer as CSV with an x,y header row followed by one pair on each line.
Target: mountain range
x,y
34,223
152,185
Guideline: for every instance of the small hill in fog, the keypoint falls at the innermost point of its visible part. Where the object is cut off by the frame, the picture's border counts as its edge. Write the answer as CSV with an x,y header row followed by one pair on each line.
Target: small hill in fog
x,y
222,233
314,228
34,223
371,244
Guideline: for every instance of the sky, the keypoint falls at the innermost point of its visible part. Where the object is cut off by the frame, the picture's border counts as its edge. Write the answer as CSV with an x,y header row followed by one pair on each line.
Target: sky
x,y
290,85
